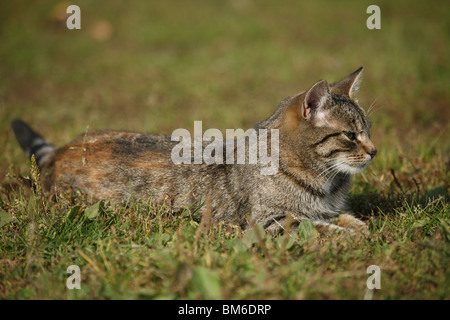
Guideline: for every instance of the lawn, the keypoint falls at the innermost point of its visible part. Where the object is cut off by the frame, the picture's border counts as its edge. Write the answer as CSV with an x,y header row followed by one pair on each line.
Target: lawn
x,y
157,66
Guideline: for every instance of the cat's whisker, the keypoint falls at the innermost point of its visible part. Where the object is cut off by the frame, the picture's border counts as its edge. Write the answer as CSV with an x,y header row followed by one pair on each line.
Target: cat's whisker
x,y
334,174
331,169
373,107
321,166
327,167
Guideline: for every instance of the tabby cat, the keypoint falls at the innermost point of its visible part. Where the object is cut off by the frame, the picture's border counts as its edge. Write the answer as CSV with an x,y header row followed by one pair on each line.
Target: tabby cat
x,y
323,140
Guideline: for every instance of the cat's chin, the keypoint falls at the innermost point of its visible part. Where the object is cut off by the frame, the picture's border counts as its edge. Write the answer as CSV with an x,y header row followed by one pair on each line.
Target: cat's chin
x,y
352,169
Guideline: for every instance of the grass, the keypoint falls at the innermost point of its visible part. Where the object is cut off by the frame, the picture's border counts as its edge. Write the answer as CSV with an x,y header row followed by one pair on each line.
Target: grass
x,y
155,67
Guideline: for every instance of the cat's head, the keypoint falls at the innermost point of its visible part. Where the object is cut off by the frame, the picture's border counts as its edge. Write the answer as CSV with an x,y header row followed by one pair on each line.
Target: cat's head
x,y
330,124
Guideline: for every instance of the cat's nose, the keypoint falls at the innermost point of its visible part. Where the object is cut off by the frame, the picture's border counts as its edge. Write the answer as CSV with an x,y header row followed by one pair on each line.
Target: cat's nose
x,y
372,153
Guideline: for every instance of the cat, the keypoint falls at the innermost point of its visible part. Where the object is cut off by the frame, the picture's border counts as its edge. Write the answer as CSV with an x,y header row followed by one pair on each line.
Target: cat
x,y
323,139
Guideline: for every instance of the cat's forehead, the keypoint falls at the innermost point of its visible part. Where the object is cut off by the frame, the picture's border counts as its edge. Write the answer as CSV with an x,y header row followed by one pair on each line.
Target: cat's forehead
x,y
349,114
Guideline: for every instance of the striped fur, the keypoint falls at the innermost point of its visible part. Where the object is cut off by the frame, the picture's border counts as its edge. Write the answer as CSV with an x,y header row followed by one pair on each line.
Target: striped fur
x,y
31,142
324,139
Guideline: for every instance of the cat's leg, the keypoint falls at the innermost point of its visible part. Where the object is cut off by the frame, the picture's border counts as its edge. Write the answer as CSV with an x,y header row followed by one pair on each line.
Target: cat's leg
x,y
344,224
354,225
282,225
291,225
326,228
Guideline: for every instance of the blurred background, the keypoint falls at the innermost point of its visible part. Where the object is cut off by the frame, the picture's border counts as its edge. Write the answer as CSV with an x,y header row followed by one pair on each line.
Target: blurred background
x,y
155,66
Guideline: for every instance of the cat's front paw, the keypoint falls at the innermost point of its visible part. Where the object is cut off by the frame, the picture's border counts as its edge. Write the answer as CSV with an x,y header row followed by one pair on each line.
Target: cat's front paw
x,y
354,225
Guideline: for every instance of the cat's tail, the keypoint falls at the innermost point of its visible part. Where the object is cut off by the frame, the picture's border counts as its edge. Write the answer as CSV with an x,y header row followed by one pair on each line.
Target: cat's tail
x,y
31,142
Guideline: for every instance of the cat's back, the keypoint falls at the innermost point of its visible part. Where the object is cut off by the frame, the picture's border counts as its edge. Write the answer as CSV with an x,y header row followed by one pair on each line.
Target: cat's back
x,y
115,146
123,141
105,160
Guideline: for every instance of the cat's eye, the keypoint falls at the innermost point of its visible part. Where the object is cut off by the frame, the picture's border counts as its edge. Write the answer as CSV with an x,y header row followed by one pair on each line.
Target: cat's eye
x,y
351,135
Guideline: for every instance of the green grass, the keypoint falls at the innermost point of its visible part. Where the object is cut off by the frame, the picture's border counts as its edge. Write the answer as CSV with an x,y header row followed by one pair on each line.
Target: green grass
x,y
227,63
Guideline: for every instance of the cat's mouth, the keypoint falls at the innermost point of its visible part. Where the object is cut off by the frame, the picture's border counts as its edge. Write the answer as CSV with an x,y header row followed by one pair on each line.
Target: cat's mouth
x,y
354,168
352,165
345,166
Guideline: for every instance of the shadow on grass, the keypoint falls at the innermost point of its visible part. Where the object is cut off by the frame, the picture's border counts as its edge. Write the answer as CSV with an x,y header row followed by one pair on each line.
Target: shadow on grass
x,y
366,205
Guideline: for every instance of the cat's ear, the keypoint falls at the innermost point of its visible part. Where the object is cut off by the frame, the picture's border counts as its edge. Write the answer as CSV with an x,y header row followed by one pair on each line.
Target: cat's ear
x,y
349,85
313,107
